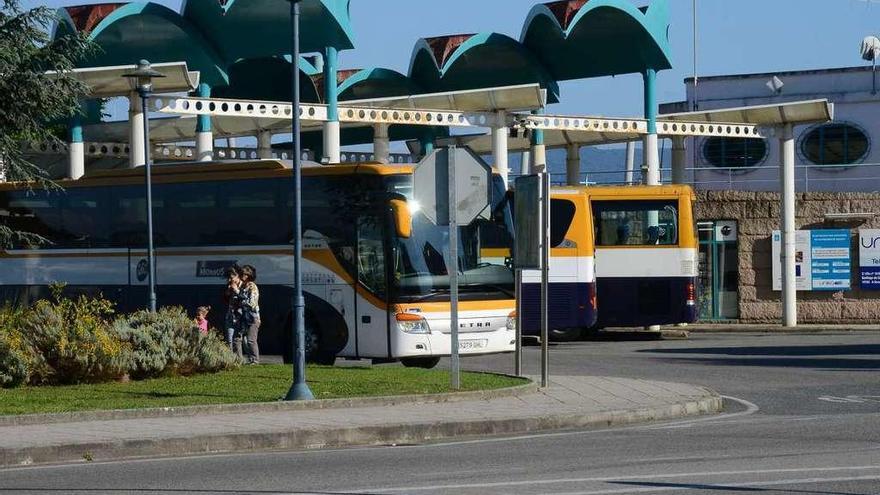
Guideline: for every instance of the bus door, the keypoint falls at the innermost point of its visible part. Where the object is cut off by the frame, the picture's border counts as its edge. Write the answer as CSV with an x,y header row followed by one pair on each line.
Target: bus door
x,y
372,288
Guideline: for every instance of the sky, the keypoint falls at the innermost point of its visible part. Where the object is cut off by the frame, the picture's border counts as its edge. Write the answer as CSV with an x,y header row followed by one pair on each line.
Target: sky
x,y
735,36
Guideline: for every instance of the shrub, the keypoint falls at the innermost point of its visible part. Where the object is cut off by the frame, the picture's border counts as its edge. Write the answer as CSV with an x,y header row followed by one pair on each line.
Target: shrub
x,y
167,343
18,358
74,339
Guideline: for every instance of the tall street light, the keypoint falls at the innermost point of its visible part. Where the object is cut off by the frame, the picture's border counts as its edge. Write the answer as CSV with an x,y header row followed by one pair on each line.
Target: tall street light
x,y
300,389
142,78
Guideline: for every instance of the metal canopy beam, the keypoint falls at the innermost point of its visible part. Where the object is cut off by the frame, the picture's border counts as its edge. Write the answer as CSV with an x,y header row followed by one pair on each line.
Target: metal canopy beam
x,y
107,82
773,115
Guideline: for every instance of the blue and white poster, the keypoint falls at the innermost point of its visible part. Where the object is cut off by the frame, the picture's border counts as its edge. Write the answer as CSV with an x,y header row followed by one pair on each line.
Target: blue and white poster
x,y
869,259
822,260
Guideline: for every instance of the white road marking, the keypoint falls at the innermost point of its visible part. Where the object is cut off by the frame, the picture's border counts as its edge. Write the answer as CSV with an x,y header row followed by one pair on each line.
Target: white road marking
x,y
751,408
557,481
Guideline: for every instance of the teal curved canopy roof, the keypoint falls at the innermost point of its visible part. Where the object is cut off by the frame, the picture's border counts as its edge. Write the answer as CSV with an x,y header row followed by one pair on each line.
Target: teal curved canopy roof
x,y
483,60
260,28
128,32
364,84
267,78
210,35
577,39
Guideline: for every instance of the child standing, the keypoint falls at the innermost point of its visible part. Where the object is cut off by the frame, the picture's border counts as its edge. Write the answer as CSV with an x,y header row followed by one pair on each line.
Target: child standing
x,y
202,319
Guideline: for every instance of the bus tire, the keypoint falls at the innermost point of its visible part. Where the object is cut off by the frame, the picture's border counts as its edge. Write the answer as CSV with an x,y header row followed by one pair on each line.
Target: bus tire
x,y
420,362
312,340
565,334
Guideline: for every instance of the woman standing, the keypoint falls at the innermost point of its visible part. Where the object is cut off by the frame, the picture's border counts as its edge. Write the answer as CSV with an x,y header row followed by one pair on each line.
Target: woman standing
x,y
232,322
249,297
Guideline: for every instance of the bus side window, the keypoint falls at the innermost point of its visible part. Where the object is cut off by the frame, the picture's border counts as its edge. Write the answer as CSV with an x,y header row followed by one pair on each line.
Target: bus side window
x,y
635,222
561,215
86,218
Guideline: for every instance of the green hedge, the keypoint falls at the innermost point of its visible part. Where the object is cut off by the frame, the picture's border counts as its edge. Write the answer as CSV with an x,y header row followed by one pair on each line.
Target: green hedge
x,y
63,341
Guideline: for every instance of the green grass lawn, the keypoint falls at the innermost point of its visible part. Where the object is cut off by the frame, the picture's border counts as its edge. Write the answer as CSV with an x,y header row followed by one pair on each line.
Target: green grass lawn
x,y
263,383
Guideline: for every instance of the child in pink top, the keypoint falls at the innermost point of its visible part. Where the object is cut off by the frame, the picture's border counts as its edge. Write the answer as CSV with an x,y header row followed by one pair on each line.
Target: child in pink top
x,y
202,319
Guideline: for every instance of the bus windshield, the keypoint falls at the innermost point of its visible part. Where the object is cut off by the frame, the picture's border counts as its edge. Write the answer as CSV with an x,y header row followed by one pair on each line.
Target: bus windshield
x,y
484,265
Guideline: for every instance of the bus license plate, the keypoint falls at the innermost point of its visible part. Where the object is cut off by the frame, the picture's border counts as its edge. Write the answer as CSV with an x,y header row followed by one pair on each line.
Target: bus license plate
x,y
469,345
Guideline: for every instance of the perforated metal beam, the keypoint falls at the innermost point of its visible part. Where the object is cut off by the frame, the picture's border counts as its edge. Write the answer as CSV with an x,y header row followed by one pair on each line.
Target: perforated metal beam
x,y
313,112
635,127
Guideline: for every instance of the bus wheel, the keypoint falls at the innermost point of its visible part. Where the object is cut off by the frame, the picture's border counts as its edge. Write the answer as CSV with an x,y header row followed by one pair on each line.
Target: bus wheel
x,y
314,353
420,362
565,335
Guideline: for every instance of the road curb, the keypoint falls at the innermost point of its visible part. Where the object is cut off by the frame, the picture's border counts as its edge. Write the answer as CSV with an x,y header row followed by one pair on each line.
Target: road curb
x,y
391,434
184,411
778,329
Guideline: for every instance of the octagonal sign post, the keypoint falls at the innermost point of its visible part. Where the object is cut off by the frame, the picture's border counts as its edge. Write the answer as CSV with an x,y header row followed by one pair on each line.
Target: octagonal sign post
x,y
453,187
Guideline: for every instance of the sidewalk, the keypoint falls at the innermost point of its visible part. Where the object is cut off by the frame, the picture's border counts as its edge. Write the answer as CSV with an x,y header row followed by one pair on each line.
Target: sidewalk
x,y
570,402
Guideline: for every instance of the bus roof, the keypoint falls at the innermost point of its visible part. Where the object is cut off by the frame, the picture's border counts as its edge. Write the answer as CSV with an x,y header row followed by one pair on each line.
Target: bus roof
x,y
227,170
670,190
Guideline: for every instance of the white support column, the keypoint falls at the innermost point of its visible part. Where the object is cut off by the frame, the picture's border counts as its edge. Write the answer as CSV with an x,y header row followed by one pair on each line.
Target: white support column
x,y
525,163
786,176
264,145
76,150
679,160
332,138
381,143
499,148
652,160
204,133
573,164
630,162
137,156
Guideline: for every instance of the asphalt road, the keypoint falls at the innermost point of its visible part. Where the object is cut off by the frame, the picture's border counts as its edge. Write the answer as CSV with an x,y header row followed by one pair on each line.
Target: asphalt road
x,y
802,417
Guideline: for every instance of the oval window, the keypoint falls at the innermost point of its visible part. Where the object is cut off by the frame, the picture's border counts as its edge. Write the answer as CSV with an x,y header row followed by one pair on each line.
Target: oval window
x,y
835,144
725,152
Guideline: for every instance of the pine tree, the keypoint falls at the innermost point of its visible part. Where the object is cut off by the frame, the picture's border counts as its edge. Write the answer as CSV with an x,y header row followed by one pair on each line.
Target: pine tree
x,y
37,93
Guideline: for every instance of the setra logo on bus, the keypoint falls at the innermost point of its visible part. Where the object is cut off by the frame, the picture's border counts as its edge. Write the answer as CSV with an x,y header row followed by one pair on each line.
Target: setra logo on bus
x,y
213,269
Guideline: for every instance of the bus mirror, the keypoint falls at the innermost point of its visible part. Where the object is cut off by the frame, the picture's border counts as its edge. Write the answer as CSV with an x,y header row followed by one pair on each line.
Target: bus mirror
x,y
402,218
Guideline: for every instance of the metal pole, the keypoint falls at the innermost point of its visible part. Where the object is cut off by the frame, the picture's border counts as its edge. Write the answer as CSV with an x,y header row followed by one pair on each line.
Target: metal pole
x,y
696,77
300,389
151,259
630,162
452,269
499,147
517,351
789,243
545,279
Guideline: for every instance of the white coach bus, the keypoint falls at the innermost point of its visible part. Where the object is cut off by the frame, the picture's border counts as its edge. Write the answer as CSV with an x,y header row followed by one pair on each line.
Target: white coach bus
x,y
374,269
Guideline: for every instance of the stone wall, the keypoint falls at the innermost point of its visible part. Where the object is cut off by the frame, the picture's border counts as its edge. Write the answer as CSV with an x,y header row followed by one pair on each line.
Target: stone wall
x,y
757,214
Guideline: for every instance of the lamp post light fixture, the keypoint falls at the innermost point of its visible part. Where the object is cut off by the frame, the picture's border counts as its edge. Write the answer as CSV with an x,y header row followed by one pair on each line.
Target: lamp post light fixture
x,y
142,79
300,389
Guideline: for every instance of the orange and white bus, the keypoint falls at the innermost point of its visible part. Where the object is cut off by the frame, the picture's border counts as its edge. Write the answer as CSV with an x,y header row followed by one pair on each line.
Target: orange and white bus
x,y
374,268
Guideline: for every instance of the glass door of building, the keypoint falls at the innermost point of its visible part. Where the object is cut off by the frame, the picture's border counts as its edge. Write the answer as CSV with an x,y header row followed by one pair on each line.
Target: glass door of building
x,y
718,270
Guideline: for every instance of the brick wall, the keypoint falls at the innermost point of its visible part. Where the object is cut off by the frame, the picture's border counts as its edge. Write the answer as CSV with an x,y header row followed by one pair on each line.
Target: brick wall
x,y
757,214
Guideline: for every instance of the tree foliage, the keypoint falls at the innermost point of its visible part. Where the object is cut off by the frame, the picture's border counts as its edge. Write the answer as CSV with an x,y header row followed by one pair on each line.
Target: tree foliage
x,y
37,90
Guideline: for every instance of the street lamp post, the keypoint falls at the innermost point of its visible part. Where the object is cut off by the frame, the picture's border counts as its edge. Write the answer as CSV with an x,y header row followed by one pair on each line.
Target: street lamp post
x,y
142,78
300,389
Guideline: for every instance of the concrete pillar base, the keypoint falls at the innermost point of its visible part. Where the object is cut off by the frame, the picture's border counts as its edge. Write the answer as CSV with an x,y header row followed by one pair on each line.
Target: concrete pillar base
x,y
204,146
76,160
332,146
264,145
381,143
137,155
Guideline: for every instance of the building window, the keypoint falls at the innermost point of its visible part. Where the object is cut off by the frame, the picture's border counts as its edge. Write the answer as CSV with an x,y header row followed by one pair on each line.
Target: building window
x,y
835,144
725,152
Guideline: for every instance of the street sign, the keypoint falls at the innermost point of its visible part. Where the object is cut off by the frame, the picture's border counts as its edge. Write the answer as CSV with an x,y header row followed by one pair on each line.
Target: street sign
x,y
527,223
473,186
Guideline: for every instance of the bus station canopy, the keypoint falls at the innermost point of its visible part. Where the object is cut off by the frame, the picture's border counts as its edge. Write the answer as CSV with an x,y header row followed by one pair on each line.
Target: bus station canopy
x,y
525,97
235,43
775,115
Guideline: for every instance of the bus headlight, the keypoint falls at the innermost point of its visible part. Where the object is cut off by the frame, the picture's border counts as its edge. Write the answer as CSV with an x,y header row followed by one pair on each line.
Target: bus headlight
x,y
412,323
511,321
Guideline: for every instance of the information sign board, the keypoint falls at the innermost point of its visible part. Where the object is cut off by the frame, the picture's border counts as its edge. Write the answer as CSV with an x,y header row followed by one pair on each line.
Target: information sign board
x,y
869,259
822,260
